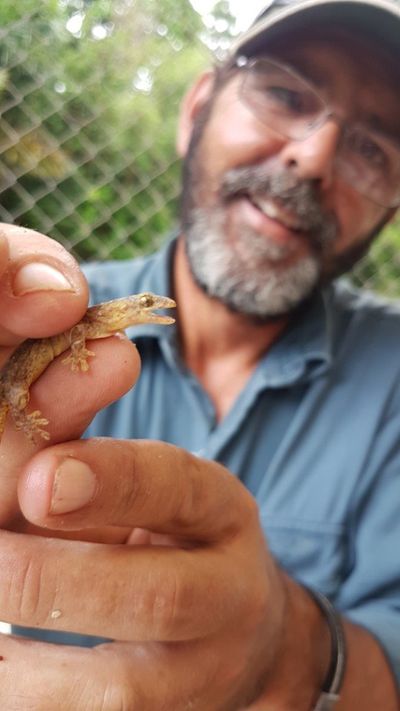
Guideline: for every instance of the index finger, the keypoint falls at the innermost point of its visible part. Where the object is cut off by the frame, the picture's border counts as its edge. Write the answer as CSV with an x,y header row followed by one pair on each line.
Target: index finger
x,y
142,483
42,290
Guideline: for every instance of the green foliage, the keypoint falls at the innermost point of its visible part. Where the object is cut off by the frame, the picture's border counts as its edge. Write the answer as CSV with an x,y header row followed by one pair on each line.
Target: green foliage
x,y
90,92
380,269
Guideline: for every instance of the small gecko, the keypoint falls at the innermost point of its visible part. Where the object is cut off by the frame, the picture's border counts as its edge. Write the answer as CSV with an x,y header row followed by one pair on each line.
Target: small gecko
x,y
33,356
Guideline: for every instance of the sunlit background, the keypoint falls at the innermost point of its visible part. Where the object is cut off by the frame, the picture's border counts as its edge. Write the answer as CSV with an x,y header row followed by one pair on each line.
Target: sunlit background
x,y
244,11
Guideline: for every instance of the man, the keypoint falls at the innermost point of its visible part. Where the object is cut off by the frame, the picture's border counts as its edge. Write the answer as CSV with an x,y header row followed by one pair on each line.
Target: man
x,y
214,602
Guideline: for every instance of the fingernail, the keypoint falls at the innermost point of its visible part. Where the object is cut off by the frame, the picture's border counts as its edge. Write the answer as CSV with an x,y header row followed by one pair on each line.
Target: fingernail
x,y
74,486
38,276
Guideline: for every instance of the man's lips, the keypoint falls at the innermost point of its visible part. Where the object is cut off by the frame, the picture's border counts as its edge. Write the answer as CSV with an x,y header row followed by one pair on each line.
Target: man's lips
x,y
275,211
267,216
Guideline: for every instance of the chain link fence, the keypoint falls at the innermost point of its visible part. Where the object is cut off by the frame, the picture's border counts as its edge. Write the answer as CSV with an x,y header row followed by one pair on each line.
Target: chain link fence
x,y
89,99
90,91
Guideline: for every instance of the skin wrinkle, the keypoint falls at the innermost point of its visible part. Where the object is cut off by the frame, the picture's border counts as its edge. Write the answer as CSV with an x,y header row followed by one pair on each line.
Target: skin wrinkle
x,y
29,603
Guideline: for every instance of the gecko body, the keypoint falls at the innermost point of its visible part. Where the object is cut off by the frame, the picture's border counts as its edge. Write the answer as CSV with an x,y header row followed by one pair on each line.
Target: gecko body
x,y
33,356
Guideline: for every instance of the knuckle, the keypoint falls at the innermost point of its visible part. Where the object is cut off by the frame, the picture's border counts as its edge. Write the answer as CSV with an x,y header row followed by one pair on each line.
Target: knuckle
x,y
257,606
162,607
30,592
120,692
249,514
112,691
166,609
119,696
191,496
131,494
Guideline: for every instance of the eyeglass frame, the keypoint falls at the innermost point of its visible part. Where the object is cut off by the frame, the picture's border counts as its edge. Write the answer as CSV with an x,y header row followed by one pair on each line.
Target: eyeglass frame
x,y
242,62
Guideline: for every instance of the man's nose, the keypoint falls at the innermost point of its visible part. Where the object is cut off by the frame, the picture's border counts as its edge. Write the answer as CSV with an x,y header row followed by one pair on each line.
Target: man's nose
x,y
312,158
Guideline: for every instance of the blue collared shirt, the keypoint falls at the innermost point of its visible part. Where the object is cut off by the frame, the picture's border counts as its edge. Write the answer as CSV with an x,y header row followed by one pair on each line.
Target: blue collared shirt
x,y
314,435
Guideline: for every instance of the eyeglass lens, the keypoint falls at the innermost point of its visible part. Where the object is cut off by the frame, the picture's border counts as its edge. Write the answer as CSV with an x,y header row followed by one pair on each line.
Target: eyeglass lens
x,y
291,107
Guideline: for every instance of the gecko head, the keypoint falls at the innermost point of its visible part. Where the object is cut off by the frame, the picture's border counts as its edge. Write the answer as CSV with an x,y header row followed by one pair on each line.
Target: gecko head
x,y
147,302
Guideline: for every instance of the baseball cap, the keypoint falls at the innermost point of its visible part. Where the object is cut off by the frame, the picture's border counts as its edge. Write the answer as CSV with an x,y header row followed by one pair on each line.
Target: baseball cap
x,y
378,18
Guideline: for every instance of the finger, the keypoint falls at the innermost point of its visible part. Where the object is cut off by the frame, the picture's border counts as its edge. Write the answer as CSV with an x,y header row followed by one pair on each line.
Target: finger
x,y
42,290
69,401
119,591
44,677
143,484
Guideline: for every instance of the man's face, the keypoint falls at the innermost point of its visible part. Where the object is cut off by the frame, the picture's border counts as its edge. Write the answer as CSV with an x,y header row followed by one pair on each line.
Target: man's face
x,y
267,218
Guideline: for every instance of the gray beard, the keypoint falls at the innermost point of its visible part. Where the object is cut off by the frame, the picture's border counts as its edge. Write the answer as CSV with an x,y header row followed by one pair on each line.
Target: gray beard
x,y
255,277
252,282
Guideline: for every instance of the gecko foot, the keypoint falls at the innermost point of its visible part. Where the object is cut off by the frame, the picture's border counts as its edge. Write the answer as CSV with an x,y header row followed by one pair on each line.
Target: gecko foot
x,y
31,424
78,360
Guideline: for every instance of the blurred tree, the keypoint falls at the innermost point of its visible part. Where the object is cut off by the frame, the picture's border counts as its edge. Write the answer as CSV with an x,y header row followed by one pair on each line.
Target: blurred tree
x,y
380,269
89,91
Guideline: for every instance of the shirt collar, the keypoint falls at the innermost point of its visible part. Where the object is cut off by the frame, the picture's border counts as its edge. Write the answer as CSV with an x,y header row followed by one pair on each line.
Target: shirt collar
x,y
304,350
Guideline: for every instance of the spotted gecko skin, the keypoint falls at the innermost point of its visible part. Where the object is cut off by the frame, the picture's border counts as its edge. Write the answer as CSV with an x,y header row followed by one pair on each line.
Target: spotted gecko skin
x,y
33,356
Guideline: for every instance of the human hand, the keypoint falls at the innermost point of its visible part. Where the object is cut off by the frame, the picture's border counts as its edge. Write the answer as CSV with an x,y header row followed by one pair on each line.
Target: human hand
x,y
197,616
43,292
199,609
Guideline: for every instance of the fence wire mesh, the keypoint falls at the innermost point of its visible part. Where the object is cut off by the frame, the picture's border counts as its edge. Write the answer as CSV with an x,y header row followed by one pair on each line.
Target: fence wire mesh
x,y
90,91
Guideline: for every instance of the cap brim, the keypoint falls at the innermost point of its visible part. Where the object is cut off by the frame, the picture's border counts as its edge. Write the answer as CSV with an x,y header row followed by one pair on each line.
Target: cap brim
x,y
378,18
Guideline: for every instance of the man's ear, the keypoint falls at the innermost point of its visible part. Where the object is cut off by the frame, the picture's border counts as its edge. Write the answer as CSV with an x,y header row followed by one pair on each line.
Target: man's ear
x,y
192,103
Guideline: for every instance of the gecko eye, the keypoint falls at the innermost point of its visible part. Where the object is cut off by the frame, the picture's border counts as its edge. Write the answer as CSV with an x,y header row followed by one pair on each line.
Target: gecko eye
x,y
146,301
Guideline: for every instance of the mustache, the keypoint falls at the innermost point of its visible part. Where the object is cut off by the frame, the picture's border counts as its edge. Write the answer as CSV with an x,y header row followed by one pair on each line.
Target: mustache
x,y
299,196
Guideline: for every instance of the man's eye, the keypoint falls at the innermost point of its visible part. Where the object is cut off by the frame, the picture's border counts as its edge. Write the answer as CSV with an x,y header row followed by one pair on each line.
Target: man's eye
x,y
289,99
368,150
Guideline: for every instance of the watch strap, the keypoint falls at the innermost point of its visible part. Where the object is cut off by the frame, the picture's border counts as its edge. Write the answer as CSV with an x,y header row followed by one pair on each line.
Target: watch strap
x,y
334,679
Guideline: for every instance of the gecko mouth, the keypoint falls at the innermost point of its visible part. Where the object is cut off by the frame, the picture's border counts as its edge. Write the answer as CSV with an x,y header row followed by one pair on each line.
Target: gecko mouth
x,y
149,302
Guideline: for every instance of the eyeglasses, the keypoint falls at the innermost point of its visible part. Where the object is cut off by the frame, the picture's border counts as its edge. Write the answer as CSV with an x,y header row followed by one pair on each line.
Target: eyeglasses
x,y
291,107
